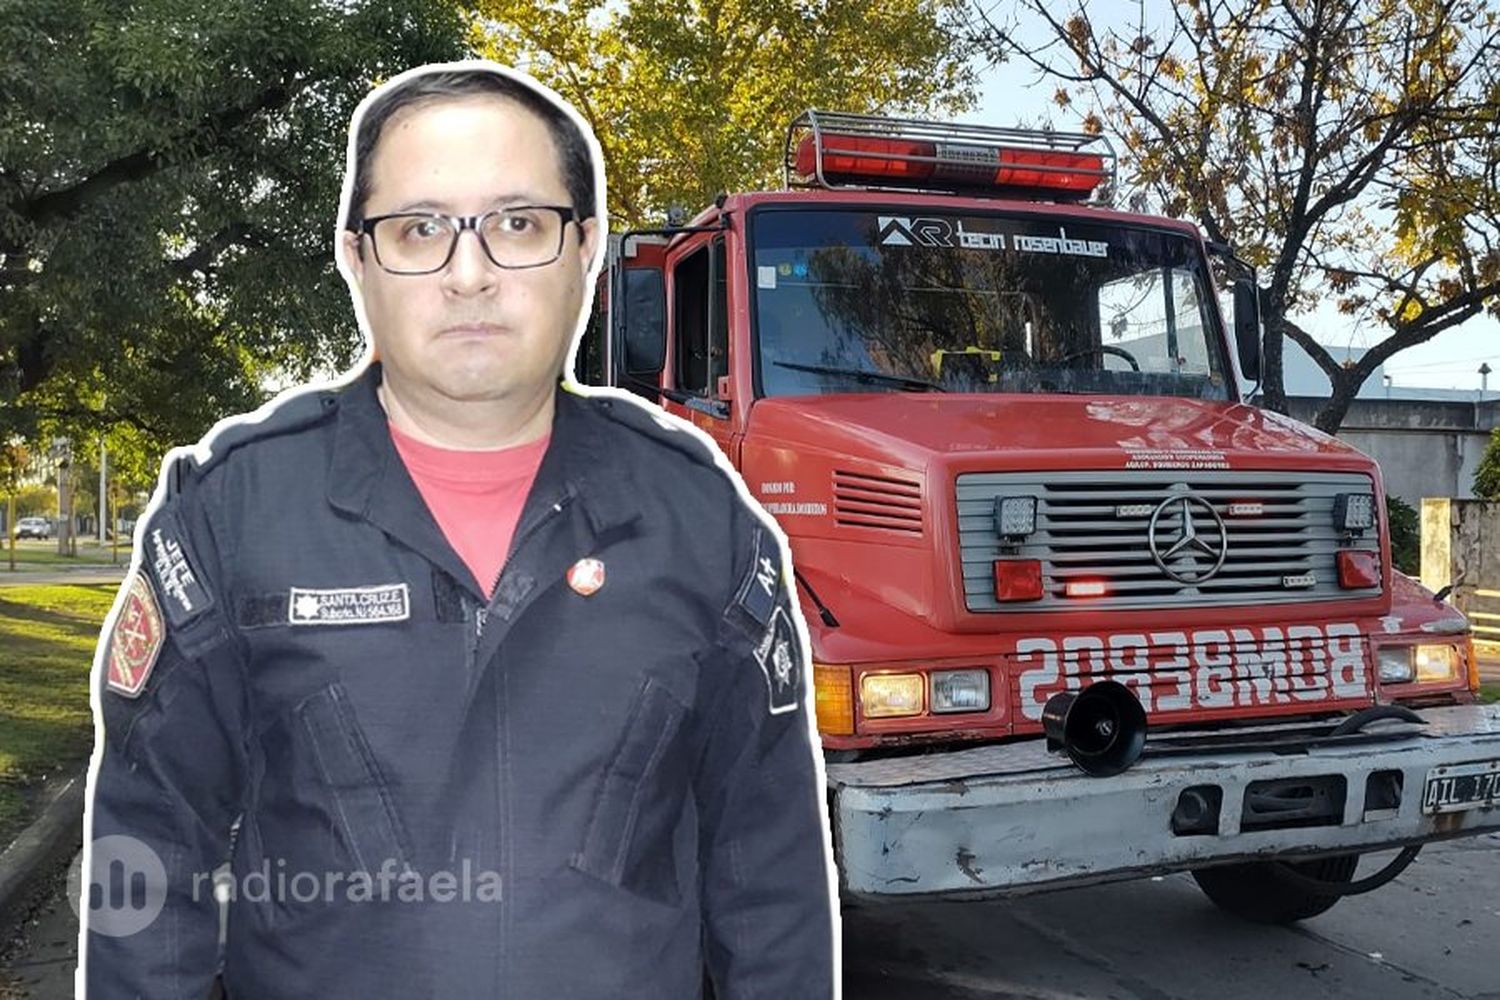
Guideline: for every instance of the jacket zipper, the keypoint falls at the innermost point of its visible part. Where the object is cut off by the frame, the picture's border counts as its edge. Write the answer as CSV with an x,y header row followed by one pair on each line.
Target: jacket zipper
x,y
482,613
472,640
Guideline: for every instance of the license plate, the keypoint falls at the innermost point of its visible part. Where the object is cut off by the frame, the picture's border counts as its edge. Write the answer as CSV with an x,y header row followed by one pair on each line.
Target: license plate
x,y
1462,786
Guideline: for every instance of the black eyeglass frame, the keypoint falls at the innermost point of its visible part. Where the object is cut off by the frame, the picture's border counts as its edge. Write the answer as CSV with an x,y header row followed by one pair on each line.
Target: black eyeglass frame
x,y
456,226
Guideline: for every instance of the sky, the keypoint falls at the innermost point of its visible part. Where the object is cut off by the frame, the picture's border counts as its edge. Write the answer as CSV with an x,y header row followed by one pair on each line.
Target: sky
x,y
1009,94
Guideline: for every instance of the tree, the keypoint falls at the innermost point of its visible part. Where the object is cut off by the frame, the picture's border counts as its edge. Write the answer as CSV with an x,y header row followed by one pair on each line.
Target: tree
x,y
691,99
1406,535
169,180
14,458
1349,148
1487,476
36,501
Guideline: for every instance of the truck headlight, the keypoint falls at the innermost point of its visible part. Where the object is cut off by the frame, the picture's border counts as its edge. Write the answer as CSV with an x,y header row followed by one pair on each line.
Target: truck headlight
x,y
1395,664
960,691
887,696
1354,511
1436,664
1431,664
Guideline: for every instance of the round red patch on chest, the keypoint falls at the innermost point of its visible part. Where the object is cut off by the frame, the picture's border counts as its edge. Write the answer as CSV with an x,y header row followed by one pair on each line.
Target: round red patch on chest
x,y
586,576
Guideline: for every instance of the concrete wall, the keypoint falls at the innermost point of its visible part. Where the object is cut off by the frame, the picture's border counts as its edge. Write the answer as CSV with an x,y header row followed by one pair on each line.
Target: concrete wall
x,y
1420,464
1425,448
1461,548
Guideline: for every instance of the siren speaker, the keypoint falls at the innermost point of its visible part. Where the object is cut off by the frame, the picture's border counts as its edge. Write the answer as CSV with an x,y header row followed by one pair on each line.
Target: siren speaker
x,y
1102,728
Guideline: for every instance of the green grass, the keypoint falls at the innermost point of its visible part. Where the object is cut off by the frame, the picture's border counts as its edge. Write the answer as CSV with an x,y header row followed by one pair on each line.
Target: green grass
x,y
38,555
1489,693
47,639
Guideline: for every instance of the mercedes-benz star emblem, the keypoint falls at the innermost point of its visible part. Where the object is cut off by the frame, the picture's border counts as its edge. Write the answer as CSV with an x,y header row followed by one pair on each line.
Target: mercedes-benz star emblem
x,y
1189,540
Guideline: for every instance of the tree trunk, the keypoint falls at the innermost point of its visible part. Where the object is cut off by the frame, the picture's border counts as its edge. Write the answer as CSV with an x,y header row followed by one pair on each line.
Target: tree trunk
x,y
64,508
1330,416
1272,373
32,358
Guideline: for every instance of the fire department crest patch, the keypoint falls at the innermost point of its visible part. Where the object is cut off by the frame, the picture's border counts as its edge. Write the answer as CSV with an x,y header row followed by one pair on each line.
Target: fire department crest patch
x,y
136,640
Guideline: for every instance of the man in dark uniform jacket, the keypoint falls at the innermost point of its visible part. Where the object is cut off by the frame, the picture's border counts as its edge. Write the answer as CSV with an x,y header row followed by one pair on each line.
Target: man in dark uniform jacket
x,y
592,775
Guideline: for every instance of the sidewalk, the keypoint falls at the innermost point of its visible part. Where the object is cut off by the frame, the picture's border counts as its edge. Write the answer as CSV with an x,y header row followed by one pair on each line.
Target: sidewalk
x,y
46,954
43,970
51,576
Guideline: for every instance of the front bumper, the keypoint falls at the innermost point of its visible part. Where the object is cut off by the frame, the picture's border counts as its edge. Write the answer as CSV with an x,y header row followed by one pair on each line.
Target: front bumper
x,y
1013,818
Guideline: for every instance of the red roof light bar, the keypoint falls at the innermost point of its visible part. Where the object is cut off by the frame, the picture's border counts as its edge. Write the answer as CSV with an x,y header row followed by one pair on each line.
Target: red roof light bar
x,y
836,150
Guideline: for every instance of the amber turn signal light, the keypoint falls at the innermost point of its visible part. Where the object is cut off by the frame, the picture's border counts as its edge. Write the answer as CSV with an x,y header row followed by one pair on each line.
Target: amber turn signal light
x,y
833,694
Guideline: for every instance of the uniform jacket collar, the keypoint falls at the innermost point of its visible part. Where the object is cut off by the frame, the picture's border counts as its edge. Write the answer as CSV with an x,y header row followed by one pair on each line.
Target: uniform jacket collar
x,y
369,480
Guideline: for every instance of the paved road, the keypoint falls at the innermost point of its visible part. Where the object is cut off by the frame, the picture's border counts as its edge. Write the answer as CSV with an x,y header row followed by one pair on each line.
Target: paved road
x,y
1429,935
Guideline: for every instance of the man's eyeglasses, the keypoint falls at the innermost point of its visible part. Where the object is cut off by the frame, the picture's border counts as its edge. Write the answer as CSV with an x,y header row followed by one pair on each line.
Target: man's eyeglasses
x,y
423,242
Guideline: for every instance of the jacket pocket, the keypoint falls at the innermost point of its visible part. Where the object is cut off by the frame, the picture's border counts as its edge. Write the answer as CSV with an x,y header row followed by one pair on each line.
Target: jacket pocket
x,y
365,814
629,839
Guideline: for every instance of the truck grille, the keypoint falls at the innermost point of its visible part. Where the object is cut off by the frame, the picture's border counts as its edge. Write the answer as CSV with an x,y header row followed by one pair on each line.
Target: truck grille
x,y
1279,537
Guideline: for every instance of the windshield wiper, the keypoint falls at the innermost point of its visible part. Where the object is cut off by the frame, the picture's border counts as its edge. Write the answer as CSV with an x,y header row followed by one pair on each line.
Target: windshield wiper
x,y
865,375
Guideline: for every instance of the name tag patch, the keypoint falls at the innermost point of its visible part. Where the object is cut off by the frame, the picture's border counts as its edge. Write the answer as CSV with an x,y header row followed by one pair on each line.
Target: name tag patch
x,y
185,595
388,602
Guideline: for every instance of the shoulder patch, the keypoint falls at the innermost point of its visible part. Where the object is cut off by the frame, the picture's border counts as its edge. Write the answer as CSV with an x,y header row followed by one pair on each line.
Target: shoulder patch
x,y
760,609
756,593
136,641
175,569
780,659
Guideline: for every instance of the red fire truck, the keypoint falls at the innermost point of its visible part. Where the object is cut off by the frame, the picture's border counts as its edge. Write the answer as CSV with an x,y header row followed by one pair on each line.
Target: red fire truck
x,y
1006,431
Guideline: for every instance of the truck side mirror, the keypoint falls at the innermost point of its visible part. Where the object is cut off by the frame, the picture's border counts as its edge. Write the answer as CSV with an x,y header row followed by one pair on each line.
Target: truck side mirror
x,y
644,321
1247,325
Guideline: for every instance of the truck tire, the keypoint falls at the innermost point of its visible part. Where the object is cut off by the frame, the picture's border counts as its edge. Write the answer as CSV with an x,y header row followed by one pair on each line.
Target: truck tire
x,y
1258,891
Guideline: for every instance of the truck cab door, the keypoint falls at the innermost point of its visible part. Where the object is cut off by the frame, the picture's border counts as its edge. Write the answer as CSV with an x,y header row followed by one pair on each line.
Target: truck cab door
x,y
696,378
629,326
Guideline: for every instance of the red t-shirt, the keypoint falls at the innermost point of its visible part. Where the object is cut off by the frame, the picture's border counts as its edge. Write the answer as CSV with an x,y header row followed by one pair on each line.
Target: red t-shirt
x,y
475,496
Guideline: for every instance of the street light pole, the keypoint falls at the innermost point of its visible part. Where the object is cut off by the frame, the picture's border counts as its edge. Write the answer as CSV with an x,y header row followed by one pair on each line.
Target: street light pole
x,y
114,552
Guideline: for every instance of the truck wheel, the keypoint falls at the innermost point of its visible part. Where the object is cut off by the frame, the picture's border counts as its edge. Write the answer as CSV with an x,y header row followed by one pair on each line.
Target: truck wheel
x,y
1260,892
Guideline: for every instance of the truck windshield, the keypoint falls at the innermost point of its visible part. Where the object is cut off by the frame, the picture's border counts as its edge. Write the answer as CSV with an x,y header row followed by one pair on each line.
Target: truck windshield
x,y
875,301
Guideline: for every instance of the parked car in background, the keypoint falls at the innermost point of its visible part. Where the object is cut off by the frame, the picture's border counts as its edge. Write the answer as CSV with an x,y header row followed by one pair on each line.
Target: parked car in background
x,y
34,527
